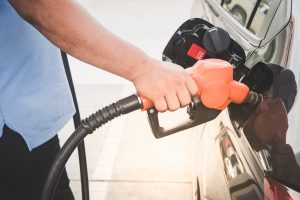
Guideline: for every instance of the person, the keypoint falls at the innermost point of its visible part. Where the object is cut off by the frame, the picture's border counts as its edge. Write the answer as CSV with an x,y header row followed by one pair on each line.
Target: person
x,y
35,101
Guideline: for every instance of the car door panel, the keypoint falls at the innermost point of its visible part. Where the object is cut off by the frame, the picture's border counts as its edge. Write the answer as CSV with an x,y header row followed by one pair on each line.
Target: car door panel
x,y
244,171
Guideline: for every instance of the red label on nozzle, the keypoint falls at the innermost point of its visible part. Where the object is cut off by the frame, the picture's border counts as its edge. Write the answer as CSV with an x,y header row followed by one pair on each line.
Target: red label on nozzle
x,y
196,52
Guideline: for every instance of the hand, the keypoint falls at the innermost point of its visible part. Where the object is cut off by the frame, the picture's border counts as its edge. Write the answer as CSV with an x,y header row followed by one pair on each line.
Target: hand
x,y
167,85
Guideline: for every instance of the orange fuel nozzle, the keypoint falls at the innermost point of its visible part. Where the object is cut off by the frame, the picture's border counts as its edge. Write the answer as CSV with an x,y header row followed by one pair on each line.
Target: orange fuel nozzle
x,y
216,87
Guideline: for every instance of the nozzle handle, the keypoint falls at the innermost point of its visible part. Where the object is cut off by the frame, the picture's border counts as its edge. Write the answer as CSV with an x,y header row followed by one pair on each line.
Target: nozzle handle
x,y
198,114
254,98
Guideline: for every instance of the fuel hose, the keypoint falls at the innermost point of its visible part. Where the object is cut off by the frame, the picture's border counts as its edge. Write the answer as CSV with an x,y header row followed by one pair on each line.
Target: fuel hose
x,y
216,89
77,119
88,126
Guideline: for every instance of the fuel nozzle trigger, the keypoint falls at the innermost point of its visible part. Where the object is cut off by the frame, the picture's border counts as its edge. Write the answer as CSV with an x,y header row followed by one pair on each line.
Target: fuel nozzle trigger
x,y
216,90
195,40
198,114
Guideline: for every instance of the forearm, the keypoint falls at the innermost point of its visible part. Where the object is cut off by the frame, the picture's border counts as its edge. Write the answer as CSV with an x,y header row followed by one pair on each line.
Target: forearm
x,y
72,29
66,24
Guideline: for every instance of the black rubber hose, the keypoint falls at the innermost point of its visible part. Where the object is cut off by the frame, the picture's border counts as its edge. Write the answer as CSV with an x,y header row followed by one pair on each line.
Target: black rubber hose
x,y
76,119
88,125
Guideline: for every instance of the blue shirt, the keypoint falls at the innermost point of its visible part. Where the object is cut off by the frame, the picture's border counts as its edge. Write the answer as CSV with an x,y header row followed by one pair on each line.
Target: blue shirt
x,y
35,99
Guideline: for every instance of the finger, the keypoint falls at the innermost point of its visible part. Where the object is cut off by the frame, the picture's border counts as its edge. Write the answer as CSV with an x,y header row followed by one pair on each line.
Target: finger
x,y
184,97
161,104
173,102
191,86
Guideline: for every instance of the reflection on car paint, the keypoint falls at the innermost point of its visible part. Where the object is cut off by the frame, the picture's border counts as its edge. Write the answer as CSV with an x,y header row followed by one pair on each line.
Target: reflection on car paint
x,y
232,162
264,158
242,11
241,184
267,126
269,158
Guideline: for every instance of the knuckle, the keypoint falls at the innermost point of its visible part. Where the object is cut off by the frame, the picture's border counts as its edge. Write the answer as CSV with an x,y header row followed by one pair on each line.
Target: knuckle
x,y
178,80
160,106
173,107
193,88
195,93
182,79
186,101
162,109
184,97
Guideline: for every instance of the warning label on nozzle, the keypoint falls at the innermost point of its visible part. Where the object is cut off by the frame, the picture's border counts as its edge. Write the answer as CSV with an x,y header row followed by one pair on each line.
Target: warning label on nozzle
x,y
196,52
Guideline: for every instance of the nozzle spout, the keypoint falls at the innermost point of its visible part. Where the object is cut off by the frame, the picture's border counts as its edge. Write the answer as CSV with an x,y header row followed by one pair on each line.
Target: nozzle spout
x,y
254,98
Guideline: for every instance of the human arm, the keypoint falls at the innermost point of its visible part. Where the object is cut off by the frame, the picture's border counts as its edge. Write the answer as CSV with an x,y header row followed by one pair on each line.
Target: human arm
x,y
67,25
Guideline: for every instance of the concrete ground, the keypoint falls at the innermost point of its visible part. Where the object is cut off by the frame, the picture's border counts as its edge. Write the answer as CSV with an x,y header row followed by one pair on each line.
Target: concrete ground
x,y
125,161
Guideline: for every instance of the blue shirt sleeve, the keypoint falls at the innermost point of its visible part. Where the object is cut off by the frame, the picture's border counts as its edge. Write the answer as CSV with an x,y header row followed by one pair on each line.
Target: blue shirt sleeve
x,y
35,99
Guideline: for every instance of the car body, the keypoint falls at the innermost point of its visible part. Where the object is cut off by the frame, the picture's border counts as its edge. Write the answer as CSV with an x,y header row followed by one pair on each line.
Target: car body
x,y
236,162
242,10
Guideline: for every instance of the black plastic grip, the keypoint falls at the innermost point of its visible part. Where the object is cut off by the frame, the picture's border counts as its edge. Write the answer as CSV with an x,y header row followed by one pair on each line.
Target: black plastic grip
x,y
88,126
112,111
198,114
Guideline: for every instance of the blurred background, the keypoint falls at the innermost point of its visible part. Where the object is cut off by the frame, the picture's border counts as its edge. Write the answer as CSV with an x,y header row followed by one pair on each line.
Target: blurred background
x,y
125,161
147,24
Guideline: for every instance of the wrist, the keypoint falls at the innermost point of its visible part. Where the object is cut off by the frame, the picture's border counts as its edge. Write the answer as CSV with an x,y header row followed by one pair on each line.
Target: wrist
x,y
141,68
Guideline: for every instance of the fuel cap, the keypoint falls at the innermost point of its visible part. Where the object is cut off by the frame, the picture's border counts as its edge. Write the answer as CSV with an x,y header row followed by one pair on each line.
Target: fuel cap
x,y
216,41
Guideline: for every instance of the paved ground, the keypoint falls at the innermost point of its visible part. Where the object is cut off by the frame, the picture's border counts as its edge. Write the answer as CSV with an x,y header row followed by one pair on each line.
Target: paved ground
x,y
125,160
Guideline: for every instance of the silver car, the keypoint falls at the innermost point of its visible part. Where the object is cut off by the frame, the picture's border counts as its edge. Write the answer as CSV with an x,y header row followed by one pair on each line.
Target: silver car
x,y
260,159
